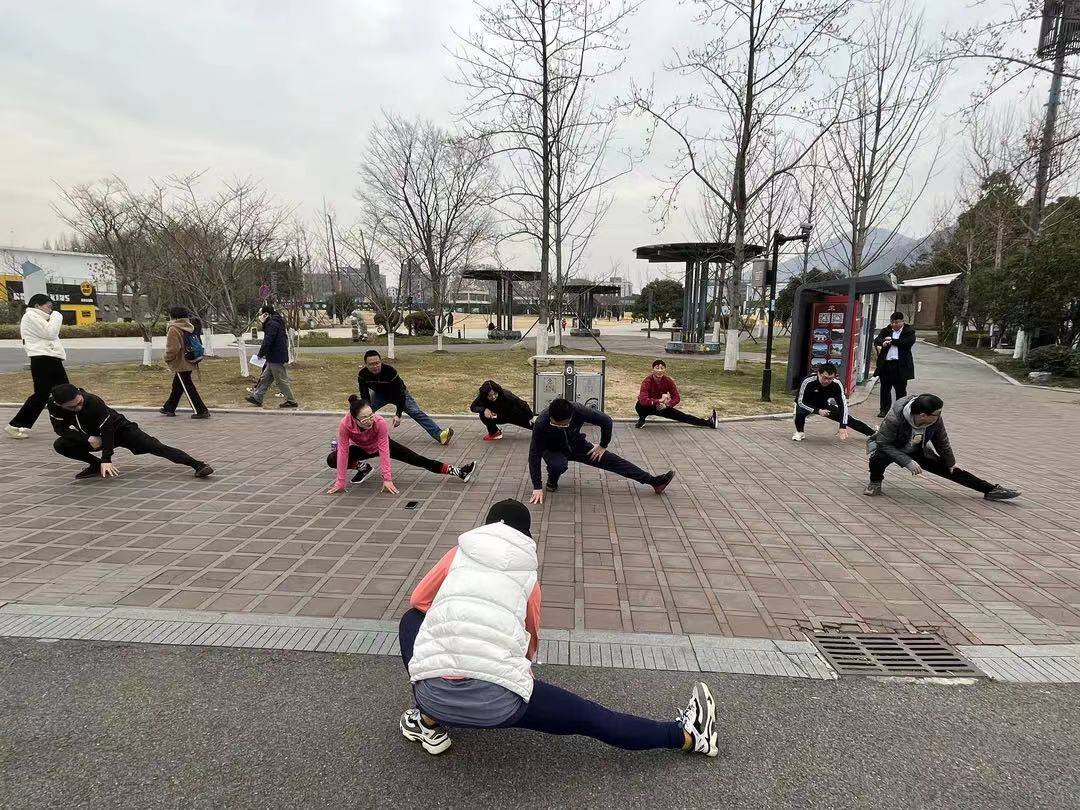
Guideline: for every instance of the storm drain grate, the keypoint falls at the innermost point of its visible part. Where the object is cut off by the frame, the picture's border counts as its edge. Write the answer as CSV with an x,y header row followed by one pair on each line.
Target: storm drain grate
x,y
919,655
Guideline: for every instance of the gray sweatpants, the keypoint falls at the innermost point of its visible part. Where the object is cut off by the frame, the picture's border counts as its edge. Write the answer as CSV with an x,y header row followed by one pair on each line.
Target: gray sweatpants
x,y
274,372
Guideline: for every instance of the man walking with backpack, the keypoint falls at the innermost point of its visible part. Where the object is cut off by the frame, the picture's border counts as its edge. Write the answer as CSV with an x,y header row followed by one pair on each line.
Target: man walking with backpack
x,y
275,350
183,353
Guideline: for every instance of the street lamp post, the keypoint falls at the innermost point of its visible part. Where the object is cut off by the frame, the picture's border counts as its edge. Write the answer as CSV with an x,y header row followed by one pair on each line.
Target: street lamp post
x,y
778,240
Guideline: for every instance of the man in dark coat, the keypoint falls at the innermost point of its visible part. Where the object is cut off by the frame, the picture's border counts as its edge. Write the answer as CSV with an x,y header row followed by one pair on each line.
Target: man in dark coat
x,y
275,351
913,435
895,366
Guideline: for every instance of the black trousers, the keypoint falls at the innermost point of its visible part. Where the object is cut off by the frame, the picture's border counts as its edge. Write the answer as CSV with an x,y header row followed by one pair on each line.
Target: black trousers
x,y
182,384
670,413
398,452
834,413
492,425
558,463
880,461
45,372
75,445
890,379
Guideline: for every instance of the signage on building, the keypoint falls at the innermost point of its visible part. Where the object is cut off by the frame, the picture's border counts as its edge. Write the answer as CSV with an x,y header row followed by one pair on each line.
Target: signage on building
x,y
60,293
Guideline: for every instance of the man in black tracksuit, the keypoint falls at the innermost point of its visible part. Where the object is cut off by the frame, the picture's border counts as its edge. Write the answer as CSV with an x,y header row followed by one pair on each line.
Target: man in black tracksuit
x,y
85,424
823,394
558,440
497,406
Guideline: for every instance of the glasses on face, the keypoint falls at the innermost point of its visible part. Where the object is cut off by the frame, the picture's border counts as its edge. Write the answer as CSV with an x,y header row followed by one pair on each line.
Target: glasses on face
x,y
365,420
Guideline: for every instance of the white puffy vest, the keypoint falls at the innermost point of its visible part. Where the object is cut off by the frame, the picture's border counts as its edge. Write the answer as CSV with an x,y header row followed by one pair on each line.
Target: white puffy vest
x,y
476,625
41,335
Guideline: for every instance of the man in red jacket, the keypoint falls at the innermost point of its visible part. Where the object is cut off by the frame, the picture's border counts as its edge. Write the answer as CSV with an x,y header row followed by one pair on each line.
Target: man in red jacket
x,y
659,395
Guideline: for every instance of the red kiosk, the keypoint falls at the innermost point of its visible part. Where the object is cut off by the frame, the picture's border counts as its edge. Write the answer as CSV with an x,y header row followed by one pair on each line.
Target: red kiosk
x,y
828,340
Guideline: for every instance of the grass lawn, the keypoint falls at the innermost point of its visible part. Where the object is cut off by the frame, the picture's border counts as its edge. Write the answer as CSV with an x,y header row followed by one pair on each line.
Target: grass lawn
x,y
1016,369
444,383
319,340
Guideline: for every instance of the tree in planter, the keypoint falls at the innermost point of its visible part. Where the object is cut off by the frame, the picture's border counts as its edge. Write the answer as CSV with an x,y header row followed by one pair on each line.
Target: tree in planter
x,y
667,301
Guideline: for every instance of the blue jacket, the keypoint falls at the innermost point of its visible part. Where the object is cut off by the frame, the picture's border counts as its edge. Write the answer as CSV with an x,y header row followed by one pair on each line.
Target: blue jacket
x,y
275,342
569,441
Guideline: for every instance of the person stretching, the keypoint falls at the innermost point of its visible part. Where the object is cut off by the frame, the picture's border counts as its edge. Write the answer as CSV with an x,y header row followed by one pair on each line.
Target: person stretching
x,y
498,406
558,440
913,435
470,638
381,385
658,396
822,394
363,434
85,424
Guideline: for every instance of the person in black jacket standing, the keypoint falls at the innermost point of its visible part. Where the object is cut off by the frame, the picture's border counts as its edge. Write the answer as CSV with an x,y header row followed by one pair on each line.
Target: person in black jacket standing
x,y
85,425
913,436
895,365
823,394
497,406
381,385
275,349
558,440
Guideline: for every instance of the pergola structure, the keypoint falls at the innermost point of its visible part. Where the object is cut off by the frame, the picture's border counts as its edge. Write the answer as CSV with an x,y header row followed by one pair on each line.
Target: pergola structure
x,y
697,256
586,307
503,317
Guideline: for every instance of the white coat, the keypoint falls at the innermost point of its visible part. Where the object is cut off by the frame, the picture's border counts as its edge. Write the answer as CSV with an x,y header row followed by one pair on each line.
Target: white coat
x,y
41,334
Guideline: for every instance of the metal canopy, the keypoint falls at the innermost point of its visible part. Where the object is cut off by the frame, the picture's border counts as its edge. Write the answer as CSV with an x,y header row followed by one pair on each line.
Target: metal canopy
x,y
592,287
695,252
864,285
493,274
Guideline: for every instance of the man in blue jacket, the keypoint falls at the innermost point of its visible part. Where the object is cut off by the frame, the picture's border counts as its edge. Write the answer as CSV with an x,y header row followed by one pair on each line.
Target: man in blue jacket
x,y
558,440
275,350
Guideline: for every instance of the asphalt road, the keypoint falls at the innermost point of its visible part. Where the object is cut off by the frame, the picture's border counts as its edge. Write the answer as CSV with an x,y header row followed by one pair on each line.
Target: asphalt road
x,y
86,724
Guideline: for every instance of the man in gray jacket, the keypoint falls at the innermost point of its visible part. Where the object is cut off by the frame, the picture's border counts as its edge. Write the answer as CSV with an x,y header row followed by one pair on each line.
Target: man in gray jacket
x,y
913,435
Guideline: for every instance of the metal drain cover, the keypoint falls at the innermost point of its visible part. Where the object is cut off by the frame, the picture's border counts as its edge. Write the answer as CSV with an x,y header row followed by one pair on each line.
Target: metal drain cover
x,y
919,655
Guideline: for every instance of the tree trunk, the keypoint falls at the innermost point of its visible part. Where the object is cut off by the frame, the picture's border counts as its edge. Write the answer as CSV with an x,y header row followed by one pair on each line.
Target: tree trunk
x,y
438,341
208,341
241,351
147,351
390,344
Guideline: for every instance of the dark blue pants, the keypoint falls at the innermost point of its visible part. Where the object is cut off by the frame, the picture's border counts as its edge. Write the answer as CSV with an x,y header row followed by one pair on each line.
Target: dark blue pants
x,y
555,711
558,463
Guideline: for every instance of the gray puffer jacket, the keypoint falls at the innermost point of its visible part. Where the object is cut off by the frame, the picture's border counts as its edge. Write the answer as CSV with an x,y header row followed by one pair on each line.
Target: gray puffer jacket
x,y
894,434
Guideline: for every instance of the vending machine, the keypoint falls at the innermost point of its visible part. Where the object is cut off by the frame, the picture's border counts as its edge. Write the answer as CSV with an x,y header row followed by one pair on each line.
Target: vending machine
x,y
828,341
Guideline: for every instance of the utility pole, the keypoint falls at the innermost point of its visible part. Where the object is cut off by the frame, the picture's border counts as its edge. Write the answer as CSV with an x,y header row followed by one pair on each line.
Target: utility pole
x,y
778,240
335,275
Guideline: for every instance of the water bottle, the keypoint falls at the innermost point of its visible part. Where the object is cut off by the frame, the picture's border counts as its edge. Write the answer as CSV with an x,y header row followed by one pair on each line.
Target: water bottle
x,y
333,446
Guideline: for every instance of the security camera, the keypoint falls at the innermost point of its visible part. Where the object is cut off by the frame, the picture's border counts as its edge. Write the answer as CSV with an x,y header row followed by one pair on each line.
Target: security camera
x,y
806,227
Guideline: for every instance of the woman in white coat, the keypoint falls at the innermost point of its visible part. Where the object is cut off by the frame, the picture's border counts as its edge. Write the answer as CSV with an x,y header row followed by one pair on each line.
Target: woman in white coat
x,y
40,331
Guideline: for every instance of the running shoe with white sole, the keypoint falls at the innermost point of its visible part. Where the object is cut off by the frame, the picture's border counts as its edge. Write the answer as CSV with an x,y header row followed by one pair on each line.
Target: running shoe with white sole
x,y
465,472
699,721
363,470
435,740
798,436
17,432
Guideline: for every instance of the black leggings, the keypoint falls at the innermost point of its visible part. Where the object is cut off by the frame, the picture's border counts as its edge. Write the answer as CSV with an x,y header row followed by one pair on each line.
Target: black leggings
x,y
880,461
492,425
834,413
398,452
77,446
670,413
45,372
552,710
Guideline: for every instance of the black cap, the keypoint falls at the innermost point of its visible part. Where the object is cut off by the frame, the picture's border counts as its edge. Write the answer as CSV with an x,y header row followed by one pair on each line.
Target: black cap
x,y
513,513
65,392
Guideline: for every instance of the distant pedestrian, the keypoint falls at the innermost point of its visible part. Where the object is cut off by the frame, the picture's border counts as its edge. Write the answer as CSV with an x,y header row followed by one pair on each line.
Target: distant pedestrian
x,y
913,436
85,425
177,334
496,405
895,365
658,395
275,350
362,434
469,641
381,385
551,325
40,332
557,439
822,394
563,324
449,322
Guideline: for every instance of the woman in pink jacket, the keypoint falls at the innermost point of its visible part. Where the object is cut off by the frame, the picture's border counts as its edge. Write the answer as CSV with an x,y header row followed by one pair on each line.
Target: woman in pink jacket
x,y
363,434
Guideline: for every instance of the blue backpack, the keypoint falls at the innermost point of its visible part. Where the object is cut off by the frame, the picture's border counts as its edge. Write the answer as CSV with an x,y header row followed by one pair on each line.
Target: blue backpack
x,y
193,349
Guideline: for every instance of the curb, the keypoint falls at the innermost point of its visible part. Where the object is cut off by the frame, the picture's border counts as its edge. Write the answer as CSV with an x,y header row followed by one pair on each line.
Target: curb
x,y
1017,663
1001,373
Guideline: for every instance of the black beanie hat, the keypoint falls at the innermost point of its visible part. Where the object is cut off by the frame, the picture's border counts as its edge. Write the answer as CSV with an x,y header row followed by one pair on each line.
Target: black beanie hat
x,y
65,392
513,513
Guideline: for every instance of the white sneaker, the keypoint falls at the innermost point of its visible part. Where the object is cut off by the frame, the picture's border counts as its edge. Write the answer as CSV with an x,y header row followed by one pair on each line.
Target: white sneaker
x,y
17,432
435,740
798,437
698,720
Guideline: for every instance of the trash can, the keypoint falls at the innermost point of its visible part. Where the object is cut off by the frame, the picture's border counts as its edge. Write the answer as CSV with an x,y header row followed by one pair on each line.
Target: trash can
x,y
578,378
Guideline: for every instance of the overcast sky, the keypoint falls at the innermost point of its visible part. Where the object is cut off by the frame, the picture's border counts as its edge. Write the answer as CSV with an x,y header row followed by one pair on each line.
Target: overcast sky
x,y
285,91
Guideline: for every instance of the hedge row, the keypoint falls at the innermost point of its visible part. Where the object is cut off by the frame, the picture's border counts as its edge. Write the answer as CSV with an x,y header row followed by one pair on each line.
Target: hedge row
x,y
101,329
1060,360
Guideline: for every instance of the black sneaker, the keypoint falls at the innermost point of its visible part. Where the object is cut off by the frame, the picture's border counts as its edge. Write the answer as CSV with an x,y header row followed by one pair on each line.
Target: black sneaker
x,y
552,487
640,424
873,489
661,482
465,473
166,412
92,471
289,404
204,471
1000,493
203,415
882,414
253,401
362,472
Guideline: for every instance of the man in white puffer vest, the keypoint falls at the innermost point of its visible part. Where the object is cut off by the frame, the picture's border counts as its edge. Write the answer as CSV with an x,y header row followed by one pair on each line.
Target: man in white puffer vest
x,y
471,637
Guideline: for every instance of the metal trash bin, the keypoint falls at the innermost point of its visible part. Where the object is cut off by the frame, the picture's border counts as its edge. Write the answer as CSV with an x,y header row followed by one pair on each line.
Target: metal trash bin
x,y
582,386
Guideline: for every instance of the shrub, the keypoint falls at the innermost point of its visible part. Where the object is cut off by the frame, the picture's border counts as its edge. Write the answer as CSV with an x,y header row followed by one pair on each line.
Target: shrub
x,y
1055,359
10,331
395,316
1074,364
420,323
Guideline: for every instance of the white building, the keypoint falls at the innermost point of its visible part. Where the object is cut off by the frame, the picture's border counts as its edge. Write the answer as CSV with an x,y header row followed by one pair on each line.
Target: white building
x,y
61,266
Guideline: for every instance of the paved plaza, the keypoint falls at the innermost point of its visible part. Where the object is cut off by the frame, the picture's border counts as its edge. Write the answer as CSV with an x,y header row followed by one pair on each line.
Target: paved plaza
x,y
757,537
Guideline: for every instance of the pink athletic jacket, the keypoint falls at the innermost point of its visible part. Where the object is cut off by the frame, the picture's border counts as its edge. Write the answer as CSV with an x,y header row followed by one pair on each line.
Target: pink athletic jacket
x,y
376,439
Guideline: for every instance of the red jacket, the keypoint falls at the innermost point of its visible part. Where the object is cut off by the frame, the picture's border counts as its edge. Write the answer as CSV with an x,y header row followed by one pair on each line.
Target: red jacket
x,y
652,389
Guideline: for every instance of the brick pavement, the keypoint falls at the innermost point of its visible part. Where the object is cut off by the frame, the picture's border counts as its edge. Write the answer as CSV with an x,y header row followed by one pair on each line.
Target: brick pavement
x,y
757,537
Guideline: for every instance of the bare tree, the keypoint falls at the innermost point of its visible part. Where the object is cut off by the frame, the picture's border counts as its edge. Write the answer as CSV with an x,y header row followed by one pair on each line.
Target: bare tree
x,y
361,244
758,75
525,66
110,219
873,180
432,192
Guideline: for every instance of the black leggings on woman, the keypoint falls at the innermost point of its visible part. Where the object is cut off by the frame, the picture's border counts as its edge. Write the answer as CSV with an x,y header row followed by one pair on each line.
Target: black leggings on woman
x,y
398,452
45,372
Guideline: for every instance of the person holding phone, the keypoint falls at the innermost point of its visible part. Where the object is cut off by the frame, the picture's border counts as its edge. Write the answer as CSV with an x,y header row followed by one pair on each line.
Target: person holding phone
x,y
40,332
895,365
363,434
